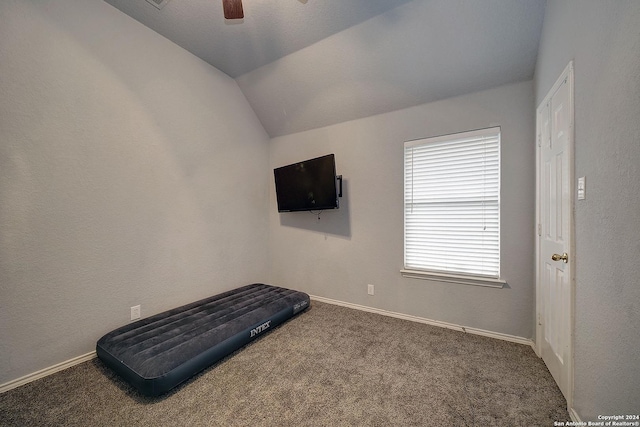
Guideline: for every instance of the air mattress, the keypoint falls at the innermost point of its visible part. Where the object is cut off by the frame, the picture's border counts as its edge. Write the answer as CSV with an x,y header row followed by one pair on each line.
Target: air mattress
x,y
158,353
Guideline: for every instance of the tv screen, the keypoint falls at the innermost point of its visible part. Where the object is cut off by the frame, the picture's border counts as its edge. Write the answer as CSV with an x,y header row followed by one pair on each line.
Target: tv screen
x,y
307,186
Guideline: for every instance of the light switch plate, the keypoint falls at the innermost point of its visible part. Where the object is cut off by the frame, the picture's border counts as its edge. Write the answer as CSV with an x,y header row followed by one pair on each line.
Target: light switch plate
x,y
582,188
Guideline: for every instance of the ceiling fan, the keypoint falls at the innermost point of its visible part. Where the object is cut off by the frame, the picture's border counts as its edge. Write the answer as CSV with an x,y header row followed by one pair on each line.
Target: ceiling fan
x,y
232,9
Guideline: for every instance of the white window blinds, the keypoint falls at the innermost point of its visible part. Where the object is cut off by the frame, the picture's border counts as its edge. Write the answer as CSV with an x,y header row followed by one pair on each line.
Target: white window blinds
x,y
452,203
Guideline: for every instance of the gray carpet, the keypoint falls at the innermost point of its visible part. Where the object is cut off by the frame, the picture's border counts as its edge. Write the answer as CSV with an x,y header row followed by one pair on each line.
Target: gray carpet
x,y
330,366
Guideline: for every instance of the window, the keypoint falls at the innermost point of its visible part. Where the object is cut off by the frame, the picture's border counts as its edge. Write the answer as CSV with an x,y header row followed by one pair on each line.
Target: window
x,y
452,207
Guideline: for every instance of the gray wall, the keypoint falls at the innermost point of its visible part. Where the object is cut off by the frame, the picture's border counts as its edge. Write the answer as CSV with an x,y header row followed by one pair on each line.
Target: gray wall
x,y
130,173
362,242
604,39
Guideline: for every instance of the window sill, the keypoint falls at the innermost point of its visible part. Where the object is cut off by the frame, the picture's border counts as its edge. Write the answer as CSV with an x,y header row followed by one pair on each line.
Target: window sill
x,y
453,278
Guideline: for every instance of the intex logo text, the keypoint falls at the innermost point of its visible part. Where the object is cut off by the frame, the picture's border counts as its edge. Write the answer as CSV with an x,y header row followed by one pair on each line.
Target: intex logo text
x,y
260,328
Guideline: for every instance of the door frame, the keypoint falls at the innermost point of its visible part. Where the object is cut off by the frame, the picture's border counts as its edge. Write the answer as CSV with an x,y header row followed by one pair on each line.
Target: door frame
x,y
568,74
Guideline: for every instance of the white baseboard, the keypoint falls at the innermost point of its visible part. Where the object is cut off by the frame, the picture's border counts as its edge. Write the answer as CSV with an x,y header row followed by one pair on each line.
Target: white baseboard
x,y
574,415
85,357
46,372
475,331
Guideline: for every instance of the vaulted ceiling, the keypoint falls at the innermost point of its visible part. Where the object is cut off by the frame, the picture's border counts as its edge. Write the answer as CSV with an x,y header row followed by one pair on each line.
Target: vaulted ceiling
x,y
304,64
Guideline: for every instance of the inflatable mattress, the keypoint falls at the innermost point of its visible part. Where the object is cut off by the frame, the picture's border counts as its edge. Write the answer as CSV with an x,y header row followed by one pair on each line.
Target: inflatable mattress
x,y
158,353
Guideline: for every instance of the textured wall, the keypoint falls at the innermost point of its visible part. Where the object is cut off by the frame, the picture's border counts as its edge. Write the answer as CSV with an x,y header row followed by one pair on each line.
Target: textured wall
x,y
362,242
131,172
603,37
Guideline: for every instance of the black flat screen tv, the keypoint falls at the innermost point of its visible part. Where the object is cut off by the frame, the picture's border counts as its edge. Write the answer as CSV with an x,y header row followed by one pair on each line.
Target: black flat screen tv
x,y
307,186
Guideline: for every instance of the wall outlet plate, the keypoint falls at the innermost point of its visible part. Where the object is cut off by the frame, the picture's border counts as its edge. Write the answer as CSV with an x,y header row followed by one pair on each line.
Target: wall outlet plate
x,y
370,289
135,312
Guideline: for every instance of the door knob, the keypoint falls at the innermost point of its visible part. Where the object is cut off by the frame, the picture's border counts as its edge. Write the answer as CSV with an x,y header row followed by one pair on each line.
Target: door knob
x,y
564,257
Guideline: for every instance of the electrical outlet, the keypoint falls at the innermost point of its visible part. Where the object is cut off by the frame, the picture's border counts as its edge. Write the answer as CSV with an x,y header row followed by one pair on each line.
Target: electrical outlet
x,y
370,289
135,312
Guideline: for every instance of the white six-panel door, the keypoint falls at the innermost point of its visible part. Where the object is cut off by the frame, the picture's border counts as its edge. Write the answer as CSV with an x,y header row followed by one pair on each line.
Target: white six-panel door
x,y
554,282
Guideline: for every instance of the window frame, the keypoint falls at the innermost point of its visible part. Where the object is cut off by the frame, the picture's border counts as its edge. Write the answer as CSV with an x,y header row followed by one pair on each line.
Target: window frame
x,y
495,281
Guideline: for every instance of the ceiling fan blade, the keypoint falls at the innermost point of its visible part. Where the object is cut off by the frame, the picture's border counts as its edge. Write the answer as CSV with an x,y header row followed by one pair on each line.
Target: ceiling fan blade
x,y
232,9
